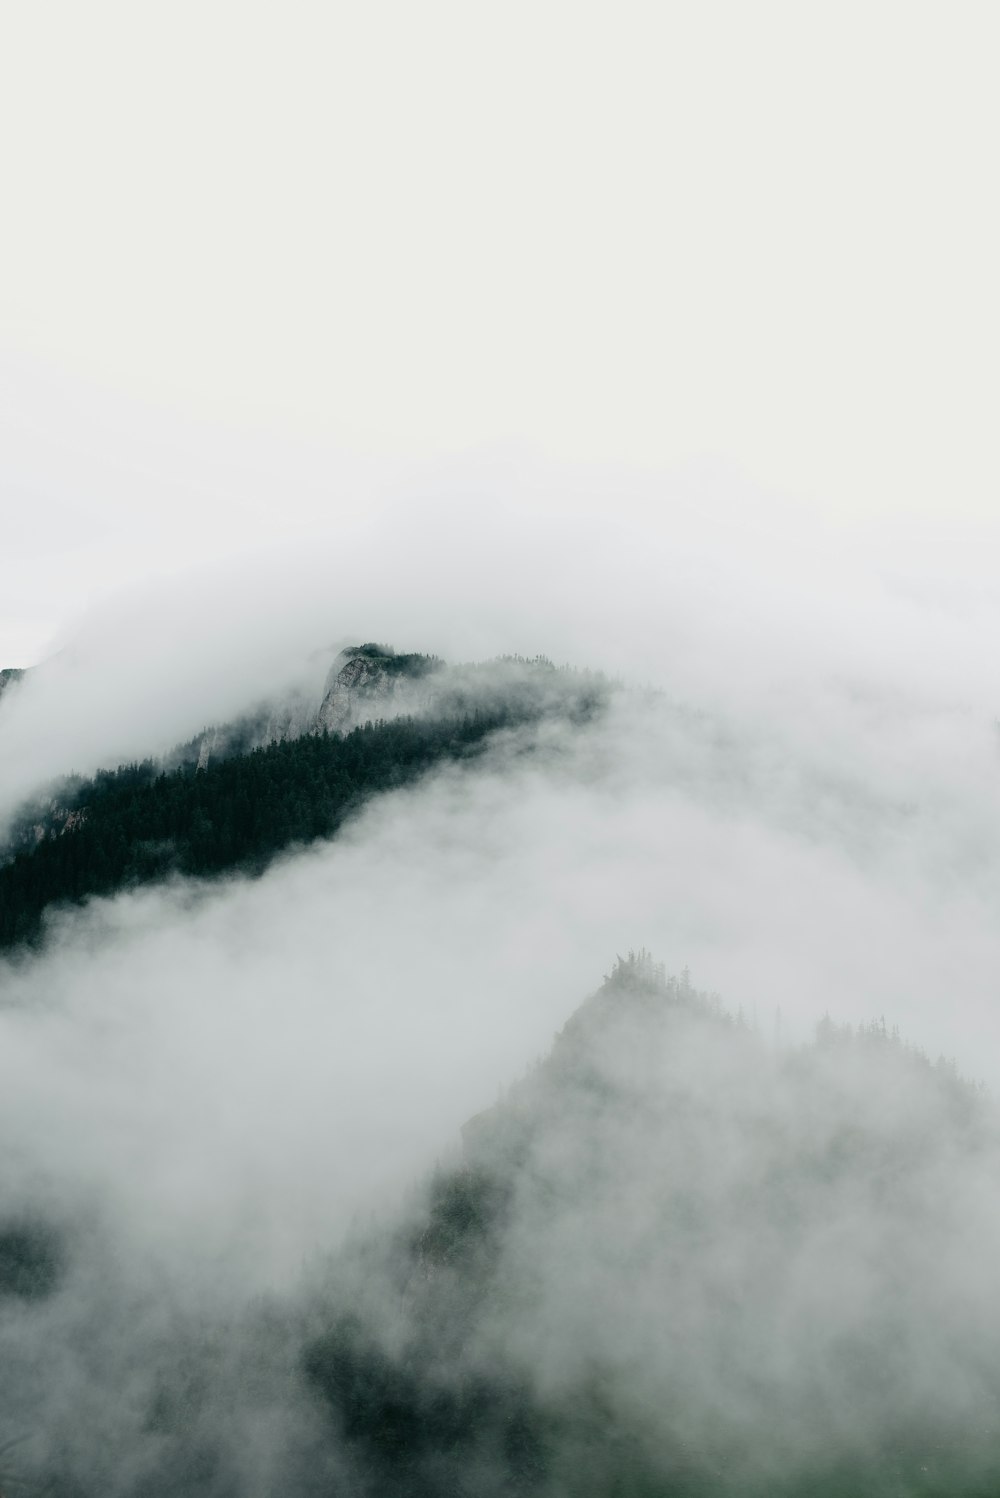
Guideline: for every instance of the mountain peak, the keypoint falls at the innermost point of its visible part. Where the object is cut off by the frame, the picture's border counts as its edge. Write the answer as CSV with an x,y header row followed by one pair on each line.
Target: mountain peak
x,y
372,681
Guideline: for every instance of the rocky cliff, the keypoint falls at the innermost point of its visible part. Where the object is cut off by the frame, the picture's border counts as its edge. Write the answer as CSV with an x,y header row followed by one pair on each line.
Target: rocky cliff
x,y
372,681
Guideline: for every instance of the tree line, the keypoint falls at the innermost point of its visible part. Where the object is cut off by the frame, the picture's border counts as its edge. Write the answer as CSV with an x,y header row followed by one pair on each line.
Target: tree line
x,y
139,823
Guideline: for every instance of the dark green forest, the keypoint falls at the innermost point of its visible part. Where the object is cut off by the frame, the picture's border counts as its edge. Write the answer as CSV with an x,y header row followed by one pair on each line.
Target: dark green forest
x,y
142,822
138,824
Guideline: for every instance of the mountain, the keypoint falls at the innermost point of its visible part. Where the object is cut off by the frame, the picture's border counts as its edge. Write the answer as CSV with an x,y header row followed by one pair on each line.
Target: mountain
x,y
672,1260
283,775
365,683
373,679
675,1261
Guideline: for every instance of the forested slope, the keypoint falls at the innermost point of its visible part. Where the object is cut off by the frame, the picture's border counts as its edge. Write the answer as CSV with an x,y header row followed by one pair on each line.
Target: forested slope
x,y
143,822
675,1262
672,1262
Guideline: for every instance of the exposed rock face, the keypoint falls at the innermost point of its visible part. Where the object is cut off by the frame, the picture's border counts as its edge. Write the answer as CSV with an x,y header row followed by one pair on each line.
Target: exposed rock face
x,y
206,748
370,683
359,677
365,682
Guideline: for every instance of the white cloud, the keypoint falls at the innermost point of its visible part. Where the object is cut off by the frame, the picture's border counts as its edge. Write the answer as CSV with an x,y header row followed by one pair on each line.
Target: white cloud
x,y
644,235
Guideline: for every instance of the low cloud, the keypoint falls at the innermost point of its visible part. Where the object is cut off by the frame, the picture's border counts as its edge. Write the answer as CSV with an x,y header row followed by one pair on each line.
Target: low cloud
x,y
794,795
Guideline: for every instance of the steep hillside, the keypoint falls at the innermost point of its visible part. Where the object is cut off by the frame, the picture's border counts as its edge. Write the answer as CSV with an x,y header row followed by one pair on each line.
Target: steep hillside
x,y
676,1262
671,1261
237,796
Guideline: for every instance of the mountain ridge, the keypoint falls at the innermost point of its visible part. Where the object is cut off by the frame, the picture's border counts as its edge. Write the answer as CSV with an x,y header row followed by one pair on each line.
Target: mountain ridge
x,y
634,1281
671,1259
233,806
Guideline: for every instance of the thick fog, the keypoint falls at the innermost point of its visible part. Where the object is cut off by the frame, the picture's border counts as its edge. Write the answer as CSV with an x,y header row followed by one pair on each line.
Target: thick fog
x,y
659,341
792,792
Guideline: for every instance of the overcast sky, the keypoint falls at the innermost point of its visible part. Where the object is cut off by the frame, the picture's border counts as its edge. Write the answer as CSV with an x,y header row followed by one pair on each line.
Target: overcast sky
x,y
266,267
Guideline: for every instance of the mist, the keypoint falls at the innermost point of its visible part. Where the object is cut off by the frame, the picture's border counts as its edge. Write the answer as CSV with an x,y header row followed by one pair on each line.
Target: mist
x,y
582,1098
791,792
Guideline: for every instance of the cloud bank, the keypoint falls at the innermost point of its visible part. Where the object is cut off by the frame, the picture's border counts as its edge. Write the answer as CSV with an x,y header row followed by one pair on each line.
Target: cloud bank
x,y
794,794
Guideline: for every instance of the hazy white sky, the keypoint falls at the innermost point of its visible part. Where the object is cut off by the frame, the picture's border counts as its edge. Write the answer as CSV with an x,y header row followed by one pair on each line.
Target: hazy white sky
x,y
260,263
